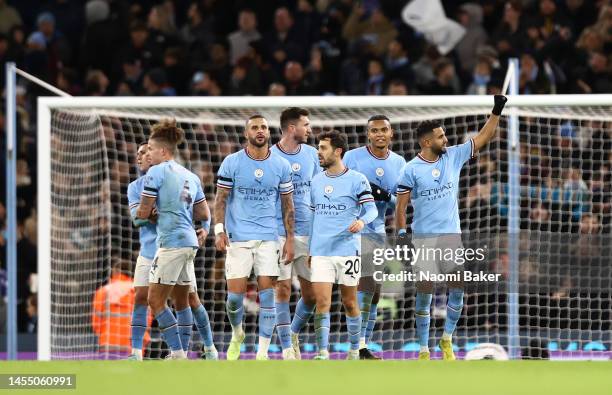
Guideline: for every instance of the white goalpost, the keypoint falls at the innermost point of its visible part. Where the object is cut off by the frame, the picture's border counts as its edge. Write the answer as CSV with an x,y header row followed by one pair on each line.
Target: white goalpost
x,y
535,183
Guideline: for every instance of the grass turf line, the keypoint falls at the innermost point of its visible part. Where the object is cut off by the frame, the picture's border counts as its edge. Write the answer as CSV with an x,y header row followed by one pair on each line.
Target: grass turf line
x,y
325,377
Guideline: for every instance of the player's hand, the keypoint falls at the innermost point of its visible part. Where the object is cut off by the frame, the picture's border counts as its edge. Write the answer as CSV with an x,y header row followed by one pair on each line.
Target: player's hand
x,y
500,102
153,216
356,226
221,242
380,195
288,251
202,234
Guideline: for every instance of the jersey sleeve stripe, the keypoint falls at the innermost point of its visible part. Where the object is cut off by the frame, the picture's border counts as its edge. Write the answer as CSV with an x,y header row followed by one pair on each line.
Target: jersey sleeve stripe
x,y
199,201
134,205
366,200
221,178
364,193
287,192
285,185
151,195
223,186
149,189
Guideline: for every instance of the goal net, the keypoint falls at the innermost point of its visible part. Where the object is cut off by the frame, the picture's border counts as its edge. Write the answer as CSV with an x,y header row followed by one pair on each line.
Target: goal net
x,y
561,266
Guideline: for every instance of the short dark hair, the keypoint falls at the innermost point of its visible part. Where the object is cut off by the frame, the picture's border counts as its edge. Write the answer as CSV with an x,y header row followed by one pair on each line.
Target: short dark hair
x,y
336,139
292,114
426,127
254,116
378,117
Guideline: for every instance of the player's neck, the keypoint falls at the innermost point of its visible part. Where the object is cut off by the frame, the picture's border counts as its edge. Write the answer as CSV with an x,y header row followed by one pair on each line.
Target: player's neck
x,y
288,145
429,156
257,152
380,153
336,168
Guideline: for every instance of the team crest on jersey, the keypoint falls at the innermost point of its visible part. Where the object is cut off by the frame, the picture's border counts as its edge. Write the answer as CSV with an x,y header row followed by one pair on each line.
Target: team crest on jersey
x,y
380,172
435,173
296,167
329,189
259,173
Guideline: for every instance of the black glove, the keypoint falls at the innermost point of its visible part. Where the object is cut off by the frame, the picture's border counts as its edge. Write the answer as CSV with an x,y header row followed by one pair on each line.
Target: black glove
x,y
500,102
380,195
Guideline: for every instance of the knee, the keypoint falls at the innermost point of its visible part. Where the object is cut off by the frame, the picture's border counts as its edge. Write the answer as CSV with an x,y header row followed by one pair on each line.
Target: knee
x,y
194,300
141,297
350,306
283,291
323,303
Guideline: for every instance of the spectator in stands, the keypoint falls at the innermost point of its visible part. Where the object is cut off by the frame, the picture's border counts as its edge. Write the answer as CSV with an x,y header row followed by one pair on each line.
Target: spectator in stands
x,y
446,82
247,32
480,78
219,63
138,48
277,89
155,83
510,34
96,83
101,38
203,84
32,312
373,27
470,17
285,43
397,64
294,80
376,78
9,17
177,70
198,33
424,68
26,267
58,49
397,88
67,80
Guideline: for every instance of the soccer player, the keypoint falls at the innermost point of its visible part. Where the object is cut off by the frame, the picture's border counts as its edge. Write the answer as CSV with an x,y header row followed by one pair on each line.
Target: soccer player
x,y
148,248
381,167
147,234
343,205
431,182
248,187
177,195
295,127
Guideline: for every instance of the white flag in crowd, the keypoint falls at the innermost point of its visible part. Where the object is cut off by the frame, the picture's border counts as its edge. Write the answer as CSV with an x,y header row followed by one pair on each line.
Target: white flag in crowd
x,y
428,18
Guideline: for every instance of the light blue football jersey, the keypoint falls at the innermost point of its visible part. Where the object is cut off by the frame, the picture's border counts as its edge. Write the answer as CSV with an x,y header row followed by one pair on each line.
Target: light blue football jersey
x,y
434,188
383,172
148,231
304,165
176,190
337,201
255,188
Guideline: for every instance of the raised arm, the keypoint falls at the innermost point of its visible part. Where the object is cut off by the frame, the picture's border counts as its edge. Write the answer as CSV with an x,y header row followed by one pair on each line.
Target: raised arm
x,y
487,132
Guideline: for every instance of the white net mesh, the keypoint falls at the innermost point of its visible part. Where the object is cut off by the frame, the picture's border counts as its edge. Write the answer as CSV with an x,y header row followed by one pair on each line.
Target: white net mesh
x,y
564,277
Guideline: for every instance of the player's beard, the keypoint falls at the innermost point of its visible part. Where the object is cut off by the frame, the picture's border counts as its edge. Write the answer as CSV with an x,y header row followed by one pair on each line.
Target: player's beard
x,y
325,164
439,151
255,143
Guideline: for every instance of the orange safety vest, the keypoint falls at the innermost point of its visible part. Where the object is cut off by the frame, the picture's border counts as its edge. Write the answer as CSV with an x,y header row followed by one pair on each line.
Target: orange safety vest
x,y
112,313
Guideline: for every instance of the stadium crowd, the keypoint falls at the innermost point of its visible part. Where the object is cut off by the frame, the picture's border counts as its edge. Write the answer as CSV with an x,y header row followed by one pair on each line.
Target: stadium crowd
x,y
324,47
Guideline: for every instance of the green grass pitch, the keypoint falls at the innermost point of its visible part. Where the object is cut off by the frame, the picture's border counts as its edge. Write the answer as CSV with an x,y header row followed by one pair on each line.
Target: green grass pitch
x,y
325,377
